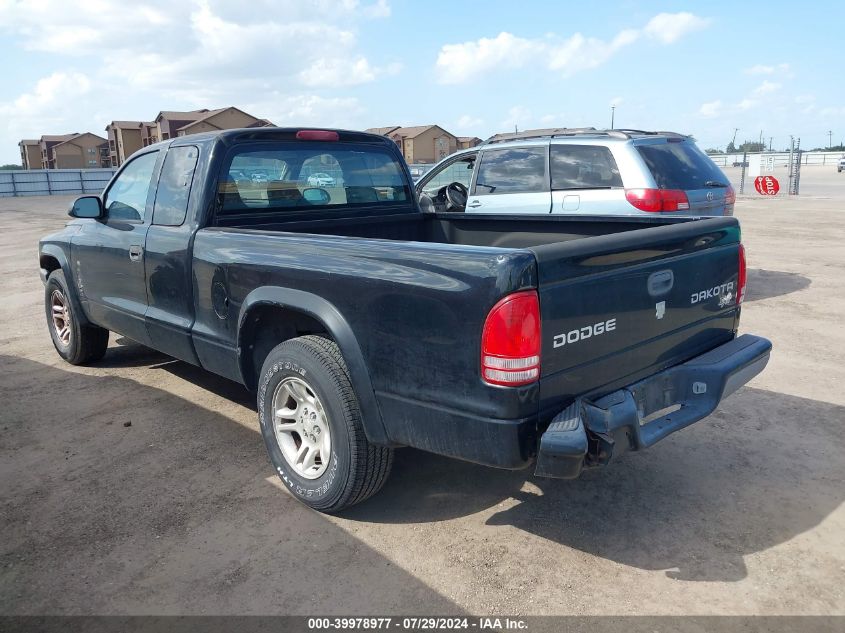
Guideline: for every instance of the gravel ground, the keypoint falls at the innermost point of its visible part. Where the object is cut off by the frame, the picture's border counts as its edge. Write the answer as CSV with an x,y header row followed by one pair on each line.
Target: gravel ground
x,y
180,512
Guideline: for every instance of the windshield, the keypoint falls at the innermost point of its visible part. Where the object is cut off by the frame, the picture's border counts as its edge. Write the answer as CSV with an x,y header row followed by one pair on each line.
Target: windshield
x,y
680,166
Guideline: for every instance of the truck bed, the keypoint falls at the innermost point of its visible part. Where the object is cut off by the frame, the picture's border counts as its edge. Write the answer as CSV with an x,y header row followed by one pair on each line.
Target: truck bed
x,y
396,276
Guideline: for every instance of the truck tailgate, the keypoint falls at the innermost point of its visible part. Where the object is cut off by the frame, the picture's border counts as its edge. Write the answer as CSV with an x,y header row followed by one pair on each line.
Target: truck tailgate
x,y
619,307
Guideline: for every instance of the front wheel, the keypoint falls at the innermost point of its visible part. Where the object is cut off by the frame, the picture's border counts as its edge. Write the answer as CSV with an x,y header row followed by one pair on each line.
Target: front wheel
x,y
78,344
311,424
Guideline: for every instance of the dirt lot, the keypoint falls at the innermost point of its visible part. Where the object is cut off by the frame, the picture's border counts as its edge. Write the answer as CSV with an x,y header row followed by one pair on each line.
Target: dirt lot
x,y
181,512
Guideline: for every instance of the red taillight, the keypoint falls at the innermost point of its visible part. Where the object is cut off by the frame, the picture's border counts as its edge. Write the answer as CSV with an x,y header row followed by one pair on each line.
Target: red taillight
x,y
510,342
730,195
742,277
317,135
655,200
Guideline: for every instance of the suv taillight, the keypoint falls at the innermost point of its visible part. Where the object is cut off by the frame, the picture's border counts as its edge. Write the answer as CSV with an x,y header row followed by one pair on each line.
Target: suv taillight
x,y
730,195
742,277
655,200
510,341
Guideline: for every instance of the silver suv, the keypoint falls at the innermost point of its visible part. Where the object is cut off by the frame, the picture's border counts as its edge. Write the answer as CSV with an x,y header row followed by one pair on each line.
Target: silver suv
x,y
579,171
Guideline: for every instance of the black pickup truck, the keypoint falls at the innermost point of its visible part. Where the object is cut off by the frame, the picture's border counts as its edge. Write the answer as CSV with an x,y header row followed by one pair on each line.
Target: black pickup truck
x,y
298,263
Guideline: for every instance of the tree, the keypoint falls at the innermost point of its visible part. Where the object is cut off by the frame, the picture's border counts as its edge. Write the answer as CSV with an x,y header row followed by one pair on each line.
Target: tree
x,y
9,167
731,148
752,146
713,150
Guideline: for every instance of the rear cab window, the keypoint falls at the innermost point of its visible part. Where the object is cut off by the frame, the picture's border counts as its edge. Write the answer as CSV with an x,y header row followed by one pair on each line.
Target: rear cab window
x,y
308,177
679,165
512,170
583,167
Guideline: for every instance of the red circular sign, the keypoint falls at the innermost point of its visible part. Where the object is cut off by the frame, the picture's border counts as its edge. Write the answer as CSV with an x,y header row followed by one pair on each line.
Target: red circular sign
x,y
766,185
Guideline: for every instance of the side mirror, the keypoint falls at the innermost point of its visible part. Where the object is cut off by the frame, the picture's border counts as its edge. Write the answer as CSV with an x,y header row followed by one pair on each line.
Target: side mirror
x,y
86,207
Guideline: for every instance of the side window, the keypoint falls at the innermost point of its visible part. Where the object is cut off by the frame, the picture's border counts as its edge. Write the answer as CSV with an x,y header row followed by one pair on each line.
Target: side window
x,y
459,171
174,186
583,167
126,199
514,170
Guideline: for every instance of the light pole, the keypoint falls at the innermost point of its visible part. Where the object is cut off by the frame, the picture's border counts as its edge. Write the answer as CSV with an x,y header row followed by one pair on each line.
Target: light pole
x,y
829,139
612,115
733,140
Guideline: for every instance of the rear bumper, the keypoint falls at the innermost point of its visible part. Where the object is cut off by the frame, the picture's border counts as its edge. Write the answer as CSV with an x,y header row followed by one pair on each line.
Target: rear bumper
x,y
591,432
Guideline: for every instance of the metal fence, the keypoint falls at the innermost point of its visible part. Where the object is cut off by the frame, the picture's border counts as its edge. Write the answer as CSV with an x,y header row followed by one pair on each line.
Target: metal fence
x,y
47,182
781,158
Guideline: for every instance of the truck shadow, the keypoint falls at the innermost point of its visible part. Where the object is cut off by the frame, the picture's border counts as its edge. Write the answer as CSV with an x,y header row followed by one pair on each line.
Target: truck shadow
x,y
765,284
178,512
749,478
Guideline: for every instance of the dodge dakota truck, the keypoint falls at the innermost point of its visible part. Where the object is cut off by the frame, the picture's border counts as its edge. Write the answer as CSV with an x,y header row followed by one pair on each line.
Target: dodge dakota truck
x,y
364,324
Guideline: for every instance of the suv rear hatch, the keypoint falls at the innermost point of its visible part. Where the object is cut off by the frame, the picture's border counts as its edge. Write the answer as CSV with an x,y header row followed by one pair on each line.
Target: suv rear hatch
x,y
676,163
617,308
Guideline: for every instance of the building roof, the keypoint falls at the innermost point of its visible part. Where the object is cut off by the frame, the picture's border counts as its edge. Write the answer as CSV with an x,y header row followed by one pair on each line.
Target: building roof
x,y
189,115
29,141
57,137
384,131
404,132
211,113
128,124
74,137
468,138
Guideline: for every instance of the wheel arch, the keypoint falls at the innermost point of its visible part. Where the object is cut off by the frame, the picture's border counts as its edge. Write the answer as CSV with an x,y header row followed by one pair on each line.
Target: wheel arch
x,y
311,311
51,257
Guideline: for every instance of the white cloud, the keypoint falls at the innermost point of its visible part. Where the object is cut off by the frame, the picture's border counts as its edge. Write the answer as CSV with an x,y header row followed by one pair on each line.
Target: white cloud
x,y
518,116
762,69
617,101
343,72
458,63
467,121
747,104
710,109
670,27
767,87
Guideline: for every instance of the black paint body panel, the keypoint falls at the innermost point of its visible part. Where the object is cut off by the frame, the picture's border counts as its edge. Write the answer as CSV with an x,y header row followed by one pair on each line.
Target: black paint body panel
x,y
405,295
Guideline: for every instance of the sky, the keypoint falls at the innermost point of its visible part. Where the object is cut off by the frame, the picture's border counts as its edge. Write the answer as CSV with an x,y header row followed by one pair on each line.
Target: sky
x,y
474,67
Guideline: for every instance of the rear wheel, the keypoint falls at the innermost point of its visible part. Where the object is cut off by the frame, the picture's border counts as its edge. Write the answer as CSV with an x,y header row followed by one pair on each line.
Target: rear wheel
x,y
311,424
76,343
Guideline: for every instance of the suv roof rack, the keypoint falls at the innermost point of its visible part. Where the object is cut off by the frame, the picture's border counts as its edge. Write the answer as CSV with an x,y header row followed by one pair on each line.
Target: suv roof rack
x,y
561,132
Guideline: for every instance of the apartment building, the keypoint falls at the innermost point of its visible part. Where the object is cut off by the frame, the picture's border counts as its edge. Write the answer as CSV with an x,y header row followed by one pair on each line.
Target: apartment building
x,y
73,151
171,124
30,153
465,142
421,143
125,138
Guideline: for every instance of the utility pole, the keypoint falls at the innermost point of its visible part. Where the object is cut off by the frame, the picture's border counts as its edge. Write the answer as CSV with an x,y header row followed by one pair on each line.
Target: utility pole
x,y
733,141
829,139
762,147
612,116
770,143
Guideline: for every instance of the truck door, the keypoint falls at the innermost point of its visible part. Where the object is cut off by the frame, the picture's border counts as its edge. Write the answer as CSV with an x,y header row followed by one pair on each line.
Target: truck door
x,y
512,180
167,259
108,253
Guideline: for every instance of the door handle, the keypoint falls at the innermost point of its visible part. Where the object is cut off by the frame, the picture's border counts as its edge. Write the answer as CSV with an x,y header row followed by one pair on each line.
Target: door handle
x,y
135,252
474,204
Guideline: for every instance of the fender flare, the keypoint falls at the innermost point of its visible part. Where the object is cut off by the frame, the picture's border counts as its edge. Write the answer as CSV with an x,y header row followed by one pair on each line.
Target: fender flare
x,y
57,252
336,325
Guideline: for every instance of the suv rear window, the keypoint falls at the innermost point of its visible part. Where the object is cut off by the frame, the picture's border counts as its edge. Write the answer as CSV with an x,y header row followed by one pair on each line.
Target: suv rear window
x,y
310,176
680,165
516,170
583,167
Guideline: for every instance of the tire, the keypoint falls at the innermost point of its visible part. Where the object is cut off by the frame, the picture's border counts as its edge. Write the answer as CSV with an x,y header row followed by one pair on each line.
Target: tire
x,y
78,344
307,379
